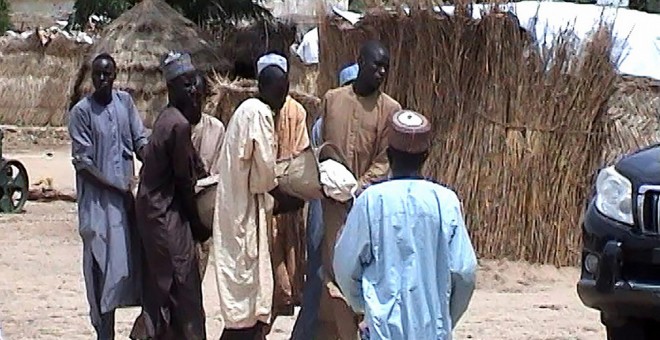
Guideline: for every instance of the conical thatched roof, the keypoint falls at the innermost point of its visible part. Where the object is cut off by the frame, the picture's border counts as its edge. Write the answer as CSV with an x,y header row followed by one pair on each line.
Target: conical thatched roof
x,y
151,28
137,40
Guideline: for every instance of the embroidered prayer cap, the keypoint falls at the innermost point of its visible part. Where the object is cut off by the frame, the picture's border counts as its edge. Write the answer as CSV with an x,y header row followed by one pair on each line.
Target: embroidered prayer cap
x,y
272,59
348,74
409,132
176,63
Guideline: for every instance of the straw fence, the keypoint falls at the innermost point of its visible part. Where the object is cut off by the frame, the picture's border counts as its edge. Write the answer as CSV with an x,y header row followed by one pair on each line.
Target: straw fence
x,y
519,130
35,80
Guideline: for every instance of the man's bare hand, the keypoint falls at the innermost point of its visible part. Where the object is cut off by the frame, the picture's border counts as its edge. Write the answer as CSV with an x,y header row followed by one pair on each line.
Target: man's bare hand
x,y
335,292
285,203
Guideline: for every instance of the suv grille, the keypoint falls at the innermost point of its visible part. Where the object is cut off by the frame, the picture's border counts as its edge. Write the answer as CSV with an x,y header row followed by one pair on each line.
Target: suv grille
x,y
648,209
641,272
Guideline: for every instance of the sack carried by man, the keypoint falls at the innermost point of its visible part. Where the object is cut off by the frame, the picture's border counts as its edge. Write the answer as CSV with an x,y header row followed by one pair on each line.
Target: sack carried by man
x,y
205,199
304,177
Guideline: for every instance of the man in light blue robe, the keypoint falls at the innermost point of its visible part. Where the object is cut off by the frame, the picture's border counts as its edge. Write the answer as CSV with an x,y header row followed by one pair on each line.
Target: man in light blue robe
x,y
404,258
106,131
306,323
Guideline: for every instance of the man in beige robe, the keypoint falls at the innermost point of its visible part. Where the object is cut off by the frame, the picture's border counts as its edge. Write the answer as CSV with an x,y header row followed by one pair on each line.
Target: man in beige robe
x,y
288,233
355,119
207,137
246,199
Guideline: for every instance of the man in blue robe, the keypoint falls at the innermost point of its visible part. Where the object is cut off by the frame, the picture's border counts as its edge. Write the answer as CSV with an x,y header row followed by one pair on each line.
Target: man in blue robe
x,y
106,131
404,258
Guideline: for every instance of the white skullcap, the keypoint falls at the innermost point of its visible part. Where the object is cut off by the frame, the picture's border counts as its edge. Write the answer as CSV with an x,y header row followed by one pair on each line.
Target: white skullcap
x,y
272,60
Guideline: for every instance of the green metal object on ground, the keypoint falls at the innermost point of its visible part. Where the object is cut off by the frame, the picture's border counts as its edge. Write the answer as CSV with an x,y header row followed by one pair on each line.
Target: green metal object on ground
x,y
14,184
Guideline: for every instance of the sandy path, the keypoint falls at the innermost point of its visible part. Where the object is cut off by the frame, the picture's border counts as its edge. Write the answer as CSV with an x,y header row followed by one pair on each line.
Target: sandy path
x,y
42,293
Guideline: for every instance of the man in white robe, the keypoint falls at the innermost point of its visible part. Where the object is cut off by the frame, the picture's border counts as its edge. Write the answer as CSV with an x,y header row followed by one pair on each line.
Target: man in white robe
x,y
245,205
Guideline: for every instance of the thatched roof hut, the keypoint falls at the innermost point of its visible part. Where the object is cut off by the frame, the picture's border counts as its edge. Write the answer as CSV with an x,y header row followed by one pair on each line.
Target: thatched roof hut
x,y
35,78
137,40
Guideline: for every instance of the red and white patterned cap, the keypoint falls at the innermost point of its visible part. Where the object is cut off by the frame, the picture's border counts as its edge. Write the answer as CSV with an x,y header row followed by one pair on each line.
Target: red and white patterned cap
x,y
409,132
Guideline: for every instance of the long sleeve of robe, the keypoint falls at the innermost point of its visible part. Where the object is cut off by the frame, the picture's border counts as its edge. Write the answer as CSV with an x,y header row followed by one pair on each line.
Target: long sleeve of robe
x,y
462,264
246,167
379,165
405,259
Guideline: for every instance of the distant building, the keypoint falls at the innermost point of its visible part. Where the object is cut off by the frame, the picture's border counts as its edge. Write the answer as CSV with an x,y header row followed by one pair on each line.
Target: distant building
x,y
41,7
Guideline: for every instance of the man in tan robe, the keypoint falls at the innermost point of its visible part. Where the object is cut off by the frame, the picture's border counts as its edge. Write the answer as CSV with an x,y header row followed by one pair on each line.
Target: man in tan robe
x,y
207,137
355,119
288,232
247,198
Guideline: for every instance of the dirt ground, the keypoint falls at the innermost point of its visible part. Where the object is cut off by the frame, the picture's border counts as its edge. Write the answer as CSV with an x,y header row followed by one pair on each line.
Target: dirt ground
x,y
42,292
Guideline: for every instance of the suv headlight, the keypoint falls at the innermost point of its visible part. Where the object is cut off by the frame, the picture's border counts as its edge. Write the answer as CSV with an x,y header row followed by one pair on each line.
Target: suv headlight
x,y
614,195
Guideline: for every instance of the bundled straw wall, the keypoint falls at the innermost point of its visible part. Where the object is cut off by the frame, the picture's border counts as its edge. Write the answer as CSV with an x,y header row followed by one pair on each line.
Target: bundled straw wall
x,y
519,131
35,80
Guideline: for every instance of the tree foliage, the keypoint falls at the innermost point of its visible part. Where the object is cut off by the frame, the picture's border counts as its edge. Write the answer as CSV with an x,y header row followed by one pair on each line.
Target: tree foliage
x,y
203,12
5,22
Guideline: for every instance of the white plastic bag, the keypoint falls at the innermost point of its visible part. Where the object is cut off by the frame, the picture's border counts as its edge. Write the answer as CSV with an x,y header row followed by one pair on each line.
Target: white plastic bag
x,y
338,182
205,182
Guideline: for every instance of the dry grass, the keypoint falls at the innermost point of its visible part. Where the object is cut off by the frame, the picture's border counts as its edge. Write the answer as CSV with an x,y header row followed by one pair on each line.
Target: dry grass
x,y
303,77
518,131
227,95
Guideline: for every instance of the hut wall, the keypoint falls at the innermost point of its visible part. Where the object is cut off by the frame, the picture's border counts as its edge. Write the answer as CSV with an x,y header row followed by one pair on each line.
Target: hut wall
x,y
519,131
34,83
